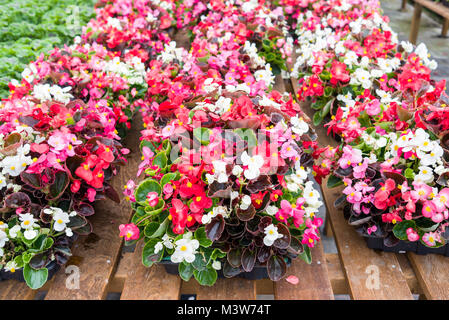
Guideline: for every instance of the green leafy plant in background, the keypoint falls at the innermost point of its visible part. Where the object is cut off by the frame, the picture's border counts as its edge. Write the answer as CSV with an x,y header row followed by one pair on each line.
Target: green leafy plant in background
x,y
31,27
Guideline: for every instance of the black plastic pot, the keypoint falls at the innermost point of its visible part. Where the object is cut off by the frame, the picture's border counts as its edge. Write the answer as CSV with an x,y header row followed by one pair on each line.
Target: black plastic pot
x,y
405,246
52,267
259,272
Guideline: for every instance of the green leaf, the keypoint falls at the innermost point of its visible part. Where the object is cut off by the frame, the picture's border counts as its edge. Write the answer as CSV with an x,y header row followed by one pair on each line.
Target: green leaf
x,y
327,108
202,134
185,271
247,135
172,176
334,181
206,277
200,235
146,187
306,255
35,279
200,262
156,229
160,160
409,174
400,229
148,255
317,118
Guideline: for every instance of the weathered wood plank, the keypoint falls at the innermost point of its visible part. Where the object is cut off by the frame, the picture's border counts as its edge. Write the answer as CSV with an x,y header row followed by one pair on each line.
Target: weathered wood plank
x,y
228,289
416,20
336,274
314,283
15,290
436,7
432,272
96,255
152,283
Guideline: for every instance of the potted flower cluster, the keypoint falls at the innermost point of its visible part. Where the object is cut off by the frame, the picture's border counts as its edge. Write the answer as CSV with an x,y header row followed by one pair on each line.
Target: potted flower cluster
x,y
376,95
60,132
226,160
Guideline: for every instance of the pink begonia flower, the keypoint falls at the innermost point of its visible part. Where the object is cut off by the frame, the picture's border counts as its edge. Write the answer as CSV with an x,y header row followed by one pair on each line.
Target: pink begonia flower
x,y
292,279
360,169
412,235
147,156
428,209
371,229
129,190
124,151
441,201
421,191
153,199
91,193
130,231
373,107
309,237
167,190
287,151
431,238
350,156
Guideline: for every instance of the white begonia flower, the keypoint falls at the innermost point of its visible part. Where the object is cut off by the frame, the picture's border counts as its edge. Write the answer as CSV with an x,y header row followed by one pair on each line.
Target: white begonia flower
x,y
361,77
220,171
29,73
350,58
381,142
3,238
115,23
299,126
271,235
253,163
216,265
271,210
431,158
27,221
207,218
42,92
237,170
265,74
185,250
1,253
421,51
222,105
408,46
14,165
210,86
30,234
68,232
11,266
266,102
2,181
158,247
425,175
61,94
311,195
13,231
246,202
60,219
167,241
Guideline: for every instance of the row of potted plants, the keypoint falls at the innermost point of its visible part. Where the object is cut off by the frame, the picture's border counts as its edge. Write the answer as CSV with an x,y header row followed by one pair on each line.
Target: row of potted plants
x,y
60,132
376,96
226,159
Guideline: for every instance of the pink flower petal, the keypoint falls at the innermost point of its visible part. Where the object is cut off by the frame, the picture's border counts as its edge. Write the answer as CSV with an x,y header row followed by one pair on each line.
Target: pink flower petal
x,y
292,279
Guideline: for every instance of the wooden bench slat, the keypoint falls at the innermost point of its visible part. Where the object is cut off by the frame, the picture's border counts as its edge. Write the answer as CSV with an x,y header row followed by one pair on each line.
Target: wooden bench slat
x,y
96,255
152,283
313,283
228,289
15,290
432,272
436,7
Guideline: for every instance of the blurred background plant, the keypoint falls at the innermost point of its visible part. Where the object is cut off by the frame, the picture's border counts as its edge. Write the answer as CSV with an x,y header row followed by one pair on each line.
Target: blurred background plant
x,y
30,27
